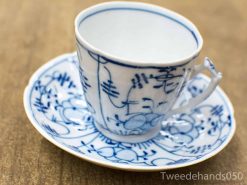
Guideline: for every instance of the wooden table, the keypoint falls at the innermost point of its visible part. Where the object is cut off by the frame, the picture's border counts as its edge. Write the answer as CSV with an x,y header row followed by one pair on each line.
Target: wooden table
x,y
32,32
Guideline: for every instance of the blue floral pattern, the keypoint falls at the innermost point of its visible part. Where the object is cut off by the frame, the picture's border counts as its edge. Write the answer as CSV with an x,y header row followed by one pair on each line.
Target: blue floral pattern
x,y
59,108
130,108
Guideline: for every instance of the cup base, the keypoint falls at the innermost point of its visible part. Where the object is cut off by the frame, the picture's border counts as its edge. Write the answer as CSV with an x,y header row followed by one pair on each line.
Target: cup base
x,y
130,138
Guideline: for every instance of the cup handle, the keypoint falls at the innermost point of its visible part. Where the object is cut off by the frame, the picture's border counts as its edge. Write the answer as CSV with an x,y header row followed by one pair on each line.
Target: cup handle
x,y
215,78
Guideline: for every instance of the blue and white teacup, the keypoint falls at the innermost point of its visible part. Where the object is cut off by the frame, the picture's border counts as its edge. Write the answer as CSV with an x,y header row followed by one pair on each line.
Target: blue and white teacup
x,y
135,59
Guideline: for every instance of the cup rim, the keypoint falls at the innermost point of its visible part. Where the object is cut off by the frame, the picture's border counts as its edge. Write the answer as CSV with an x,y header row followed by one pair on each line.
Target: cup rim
x,y
173,15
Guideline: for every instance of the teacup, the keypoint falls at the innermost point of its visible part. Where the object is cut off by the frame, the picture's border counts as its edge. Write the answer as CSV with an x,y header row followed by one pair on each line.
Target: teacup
x,y
135,59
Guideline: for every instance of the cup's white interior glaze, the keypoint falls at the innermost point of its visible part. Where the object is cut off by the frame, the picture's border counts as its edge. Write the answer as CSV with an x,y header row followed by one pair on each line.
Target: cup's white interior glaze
x,y
139,32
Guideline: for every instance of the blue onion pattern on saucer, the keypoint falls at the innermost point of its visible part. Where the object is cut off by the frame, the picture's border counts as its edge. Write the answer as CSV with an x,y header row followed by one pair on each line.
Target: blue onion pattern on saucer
x,y
55,105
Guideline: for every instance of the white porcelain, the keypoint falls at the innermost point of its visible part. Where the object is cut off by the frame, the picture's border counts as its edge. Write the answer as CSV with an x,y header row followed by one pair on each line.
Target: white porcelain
x,y
56,107
138,32
135,59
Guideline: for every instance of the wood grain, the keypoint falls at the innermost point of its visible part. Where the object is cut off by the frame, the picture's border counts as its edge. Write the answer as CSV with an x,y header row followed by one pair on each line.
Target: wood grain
x,y
32,32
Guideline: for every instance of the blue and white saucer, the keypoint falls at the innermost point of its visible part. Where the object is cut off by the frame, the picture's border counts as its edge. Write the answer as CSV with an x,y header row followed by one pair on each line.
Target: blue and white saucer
x,y
55,105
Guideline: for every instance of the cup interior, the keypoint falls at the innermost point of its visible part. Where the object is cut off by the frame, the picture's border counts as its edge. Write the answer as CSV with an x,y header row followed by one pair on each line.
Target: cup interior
x,y
138,32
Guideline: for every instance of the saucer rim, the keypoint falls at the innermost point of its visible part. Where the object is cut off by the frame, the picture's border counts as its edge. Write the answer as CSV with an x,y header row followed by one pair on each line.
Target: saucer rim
x,y
108,164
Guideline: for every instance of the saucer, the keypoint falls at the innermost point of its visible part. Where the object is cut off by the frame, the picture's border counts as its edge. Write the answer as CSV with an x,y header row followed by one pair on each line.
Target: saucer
x,y
55,105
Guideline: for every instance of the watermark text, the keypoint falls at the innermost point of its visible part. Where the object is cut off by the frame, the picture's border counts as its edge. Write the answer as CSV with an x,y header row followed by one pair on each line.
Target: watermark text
x,y
220,176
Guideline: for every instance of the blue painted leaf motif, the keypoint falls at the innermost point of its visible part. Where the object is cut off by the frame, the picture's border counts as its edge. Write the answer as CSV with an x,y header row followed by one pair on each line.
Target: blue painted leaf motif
x,y
166,79
108,86
84,80
110,89
147,99
41,107
150,104
217,110
50,130
62,78
53,118
213,129
135,122
229,122
139,80
37,85
161,103
170,87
